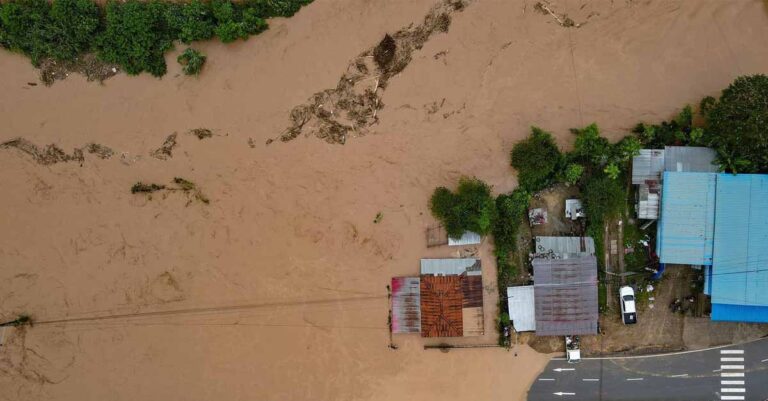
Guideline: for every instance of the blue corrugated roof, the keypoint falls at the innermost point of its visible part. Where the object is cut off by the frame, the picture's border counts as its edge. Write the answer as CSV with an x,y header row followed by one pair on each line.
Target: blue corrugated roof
x,y
686,228
740,313
708,280
740,266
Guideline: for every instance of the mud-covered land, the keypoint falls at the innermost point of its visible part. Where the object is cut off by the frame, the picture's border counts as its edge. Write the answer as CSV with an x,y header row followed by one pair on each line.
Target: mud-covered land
x,y
275,288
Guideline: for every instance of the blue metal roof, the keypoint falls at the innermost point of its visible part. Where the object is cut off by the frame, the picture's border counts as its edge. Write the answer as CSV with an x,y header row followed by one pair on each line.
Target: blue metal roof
x,y
739,313
740,265
686,228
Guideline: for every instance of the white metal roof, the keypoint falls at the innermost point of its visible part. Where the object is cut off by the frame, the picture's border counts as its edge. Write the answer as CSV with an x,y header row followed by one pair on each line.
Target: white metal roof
x,y
449,267
564,247
468,238
522,309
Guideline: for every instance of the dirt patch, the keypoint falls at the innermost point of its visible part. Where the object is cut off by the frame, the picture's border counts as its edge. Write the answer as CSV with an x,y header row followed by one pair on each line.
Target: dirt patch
x,y
351,107
553,201
165,152
88,66
189,188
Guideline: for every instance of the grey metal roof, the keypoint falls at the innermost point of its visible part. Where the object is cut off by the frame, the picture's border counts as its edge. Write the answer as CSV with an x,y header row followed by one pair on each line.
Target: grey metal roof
x,y
449,267
468,238
565,296
647,166
648,202
564,247
689,158
522,311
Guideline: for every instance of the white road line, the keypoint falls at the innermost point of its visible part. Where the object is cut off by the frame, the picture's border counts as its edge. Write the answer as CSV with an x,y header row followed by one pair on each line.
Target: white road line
x,y
732,397
635,379
683,375
560,393
731,359
732,390
726,374
764,360
546,380
732,367
731,382
716,370
732,351
590,380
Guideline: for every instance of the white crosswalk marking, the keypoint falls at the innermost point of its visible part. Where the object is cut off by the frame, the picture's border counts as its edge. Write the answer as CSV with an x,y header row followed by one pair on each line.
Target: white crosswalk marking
x,y
732,382
732,351
732,390
732,397
729,393
732,367
734,374
731,359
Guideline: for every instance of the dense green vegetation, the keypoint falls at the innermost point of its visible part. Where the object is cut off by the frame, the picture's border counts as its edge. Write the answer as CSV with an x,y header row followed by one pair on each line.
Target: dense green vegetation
x,y
737,125
536,159
134,34
470,208
510,211
192,61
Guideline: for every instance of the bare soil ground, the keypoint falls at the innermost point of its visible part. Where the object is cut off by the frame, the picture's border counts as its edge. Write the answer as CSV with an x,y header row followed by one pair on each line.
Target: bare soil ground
x,y
275,290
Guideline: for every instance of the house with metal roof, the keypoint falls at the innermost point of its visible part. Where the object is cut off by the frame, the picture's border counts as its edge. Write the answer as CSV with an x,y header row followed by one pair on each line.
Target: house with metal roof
x,y
565,296
687,225
738,278
406,305
451,298
563,247
521,308
689,159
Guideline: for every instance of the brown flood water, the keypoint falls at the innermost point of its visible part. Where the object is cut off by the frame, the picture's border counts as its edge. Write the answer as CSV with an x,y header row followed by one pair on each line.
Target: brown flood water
x,y
281,279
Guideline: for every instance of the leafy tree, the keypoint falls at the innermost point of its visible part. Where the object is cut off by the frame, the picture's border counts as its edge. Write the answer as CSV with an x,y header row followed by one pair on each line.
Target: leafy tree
x,y
737,125
510,210
590,146
192,61
73,26
136,36
536,159
612,171
627,148
471,208
573,173
191,21
277,8
25,28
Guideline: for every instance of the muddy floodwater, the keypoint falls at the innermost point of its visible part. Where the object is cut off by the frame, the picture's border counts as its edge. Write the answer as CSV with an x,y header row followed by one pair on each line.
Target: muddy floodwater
x,y
275,288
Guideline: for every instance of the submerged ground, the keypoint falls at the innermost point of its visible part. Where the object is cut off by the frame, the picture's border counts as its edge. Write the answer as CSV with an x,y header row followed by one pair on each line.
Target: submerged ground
x,y
281,279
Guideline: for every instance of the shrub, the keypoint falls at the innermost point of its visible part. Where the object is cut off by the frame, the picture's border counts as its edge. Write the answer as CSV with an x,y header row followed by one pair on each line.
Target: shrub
x,y
471,208
736,125
26,28
510,210
536,160
192,61
604,198
191,21
573,173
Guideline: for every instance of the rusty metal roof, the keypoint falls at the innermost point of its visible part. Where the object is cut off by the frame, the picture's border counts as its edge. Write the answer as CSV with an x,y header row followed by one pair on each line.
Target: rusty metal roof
x,y
565,296
441,306
406,305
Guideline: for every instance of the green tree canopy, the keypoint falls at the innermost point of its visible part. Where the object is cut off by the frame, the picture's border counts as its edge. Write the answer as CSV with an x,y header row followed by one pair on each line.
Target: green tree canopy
x,y
536,159
737,125
590,146
470,208
603,198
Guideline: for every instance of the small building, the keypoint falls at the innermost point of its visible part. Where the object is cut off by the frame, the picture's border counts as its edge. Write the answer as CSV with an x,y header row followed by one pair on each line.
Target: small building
x,y
738,278
693,159
687,226
468,238
451,298
537,216
406,305
563,247
521,308
565,296
574,209
647,167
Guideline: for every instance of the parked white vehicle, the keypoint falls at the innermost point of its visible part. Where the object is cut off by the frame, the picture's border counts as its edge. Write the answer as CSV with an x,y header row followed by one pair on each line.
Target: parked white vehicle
x,y
627,300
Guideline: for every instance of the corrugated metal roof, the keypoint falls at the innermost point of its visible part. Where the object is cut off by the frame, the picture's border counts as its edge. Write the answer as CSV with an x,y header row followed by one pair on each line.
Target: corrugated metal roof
x,y
740,313
740,264
564,247
441,306
574,209
686,228
522,311
468,238
647,166
689,159
453,266
406,305
648,202
565,296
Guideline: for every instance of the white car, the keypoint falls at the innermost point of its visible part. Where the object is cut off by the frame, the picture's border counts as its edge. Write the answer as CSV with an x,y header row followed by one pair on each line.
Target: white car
x,y
627,299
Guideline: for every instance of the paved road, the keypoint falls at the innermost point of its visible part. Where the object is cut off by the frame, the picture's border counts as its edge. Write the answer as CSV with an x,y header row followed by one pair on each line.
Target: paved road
x,y
737,373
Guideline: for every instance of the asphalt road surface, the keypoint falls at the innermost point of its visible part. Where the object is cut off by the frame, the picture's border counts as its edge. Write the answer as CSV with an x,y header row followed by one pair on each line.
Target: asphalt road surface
x,y
737,372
